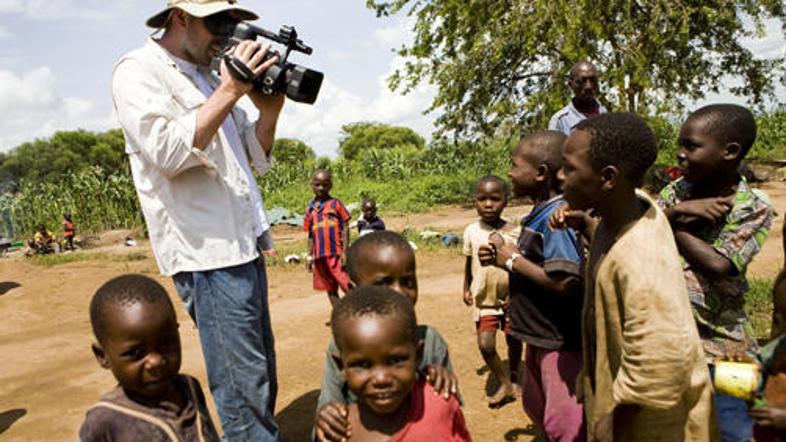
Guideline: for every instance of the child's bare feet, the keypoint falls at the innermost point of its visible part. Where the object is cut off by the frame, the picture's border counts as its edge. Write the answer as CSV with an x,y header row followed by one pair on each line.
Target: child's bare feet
x,y
504,395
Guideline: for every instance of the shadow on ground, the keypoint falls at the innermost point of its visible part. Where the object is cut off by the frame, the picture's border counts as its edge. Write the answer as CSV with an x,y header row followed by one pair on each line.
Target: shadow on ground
x,y
515,433
7,286
8,418
295,421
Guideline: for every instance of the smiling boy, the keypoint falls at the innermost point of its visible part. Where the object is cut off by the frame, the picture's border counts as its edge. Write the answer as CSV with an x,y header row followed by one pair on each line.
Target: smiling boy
x,y
374,328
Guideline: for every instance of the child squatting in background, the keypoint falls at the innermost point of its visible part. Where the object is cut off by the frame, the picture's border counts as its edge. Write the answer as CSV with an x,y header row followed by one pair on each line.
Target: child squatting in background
x,y
369,222
137,339
374,329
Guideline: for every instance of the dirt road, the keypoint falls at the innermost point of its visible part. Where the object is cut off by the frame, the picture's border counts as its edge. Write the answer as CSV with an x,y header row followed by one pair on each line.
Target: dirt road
x,y
48,376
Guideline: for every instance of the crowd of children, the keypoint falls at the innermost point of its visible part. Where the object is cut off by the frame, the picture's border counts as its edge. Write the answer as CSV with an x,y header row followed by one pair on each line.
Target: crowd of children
x,y
625,304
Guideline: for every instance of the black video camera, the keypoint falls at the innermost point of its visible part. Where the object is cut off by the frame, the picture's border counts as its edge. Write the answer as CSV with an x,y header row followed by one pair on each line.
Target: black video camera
x,y
297,82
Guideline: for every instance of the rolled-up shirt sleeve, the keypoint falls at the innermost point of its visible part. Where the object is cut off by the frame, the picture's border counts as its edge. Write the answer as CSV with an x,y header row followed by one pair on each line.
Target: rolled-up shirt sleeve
x,y
146,111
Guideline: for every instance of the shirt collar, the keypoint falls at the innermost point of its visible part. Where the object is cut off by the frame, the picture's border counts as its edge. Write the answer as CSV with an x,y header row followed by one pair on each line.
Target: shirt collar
x,y
186,67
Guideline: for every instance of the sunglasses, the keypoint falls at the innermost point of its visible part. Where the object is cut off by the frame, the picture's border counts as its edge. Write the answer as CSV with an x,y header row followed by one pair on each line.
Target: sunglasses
x,y
222,24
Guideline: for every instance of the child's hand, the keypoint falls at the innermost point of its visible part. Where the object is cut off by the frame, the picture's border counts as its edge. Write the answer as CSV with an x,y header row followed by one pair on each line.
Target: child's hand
x,y
711,209
487,255
503,253
578,220
443,381
769,417
467,297
332,423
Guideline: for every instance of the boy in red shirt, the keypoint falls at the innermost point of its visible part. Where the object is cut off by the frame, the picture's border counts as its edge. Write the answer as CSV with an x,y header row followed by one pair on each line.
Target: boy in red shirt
x,y
327,224
374,328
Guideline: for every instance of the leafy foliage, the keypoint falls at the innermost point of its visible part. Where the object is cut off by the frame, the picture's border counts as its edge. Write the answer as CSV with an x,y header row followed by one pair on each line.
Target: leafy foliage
x,y
771,137
503,65
401,178
291,151
357,137
65,153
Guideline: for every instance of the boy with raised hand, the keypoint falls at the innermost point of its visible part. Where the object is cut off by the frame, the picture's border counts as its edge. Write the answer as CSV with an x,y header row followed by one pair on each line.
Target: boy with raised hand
x,y
375,331
486,288
327,224
137,339
545,291
380,259
719,224
644,376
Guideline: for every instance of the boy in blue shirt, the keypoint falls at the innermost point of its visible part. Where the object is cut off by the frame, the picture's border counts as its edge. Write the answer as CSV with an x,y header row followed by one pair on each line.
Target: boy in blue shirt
x,y
545,291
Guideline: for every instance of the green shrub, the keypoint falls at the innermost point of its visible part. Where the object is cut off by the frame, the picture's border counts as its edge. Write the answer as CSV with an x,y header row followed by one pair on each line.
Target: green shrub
x,y
758,305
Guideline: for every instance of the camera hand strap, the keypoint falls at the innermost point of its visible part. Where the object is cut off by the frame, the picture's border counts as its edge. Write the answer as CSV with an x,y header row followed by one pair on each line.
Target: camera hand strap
x,y
238,69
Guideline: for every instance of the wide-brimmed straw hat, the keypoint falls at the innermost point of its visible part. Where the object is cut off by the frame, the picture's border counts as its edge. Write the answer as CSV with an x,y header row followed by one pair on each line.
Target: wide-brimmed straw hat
x,y
200,8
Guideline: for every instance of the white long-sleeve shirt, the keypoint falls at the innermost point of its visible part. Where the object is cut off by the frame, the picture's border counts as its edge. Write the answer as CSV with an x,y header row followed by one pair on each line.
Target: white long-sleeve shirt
x,y
199,205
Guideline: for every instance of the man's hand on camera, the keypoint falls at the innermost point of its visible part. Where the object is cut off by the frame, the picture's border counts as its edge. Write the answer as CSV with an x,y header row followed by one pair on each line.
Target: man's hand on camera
x,y
251,53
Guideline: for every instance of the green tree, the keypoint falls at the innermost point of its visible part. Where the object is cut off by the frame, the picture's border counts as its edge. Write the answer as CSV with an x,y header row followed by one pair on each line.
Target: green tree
x,y
63,154
356,137
292,151
499,65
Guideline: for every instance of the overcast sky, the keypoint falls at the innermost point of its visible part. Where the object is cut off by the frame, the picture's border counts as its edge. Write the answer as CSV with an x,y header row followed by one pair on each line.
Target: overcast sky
x,y
56,60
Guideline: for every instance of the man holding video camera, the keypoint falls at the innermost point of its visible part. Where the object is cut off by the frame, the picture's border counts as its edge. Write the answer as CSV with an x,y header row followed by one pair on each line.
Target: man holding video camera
x,y
191,151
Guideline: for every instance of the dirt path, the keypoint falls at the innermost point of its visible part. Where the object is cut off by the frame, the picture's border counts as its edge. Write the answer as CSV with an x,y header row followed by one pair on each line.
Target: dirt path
x,y
49,377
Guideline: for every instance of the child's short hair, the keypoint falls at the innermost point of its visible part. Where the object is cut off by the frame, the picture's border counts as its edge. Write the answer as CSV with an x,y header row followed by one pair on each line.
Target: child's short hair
x,y
377,240
366,200
325,172
496,180
374,300
621,139
124,291
729,123
546,148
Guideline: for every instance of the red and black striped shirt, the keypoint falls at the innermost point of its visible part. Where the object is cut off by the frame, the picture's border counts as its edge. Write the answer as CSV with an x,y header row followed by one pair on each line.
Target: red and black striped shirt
x,y
324,222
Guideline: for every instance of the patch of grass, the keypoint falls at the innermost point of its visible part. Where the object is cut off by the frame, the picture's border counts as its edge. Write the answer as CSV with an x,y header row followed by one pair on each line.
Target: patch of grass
x,y
81,256
758,304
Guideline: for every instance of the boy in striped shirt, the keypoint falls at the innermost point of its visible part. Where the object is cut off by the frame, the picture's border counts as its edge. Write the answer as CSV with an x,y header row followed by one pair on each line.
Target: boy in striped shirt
x,y
327,224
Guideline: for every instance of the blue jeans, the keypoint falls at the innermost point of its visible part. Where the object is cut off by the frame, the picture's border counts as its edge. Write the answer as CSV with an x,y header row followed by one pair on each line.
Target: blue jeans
x,y
230,309
734,423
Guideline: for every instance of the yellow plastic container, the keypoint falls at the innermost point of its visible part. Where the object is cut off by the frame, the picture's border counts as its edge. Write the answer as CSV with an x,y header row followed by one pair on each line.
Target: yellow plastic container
x,y
738,379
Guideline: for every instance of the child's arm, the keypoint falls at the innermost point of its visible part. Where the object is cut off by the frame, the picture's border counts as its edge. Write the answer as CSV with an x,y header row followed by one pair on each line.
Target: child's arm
x,y
330,421
468,281
702,256
710,209
769,417
559,283
344,243
579,220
